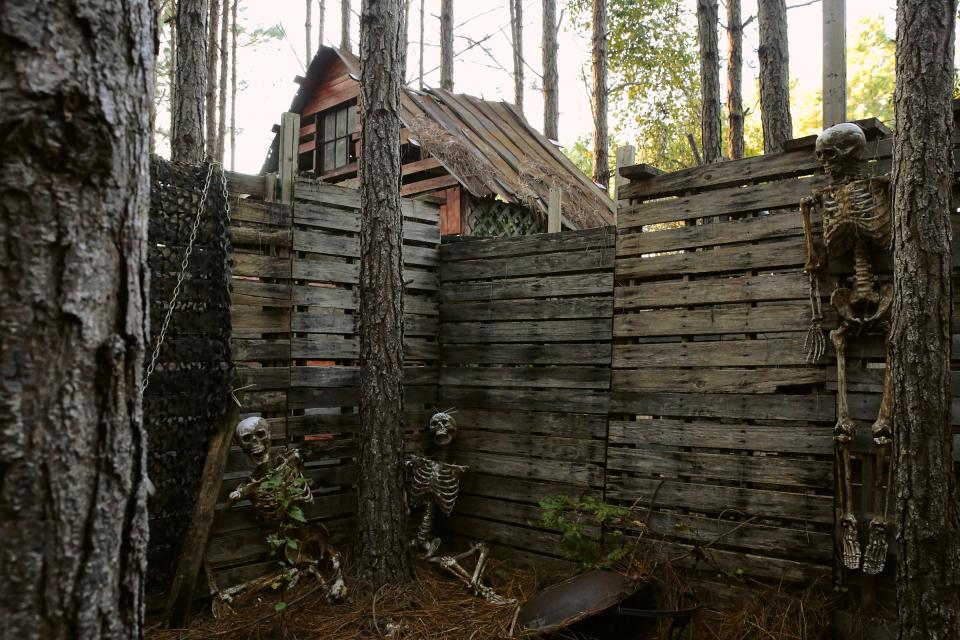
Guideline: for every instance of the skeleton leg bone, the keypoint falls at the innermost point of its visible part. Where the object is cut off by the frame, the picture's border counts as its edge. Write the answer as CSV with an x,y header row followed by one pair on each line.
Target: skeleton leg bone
x,y
452,564
875,556
843,434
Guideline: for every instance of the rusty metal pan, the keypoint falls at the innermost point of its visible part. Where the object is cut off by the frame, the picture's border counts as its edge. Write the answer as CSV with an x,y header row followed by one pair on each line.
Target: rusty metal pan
x,y
567,602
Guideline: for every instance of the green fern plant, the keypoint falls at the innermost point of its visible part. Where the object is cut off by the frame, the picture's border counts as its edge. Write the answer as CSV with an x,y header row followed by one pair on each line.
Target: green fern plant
x,y
580,522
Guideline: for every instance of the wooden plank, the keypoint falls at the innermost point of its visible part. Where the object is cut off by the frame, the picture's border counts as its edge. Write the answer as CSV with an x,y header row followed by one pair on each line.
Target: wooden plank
x,y
717,202
565,425
523,377
259,238
713,353
765,380
531,468
809,408
244,184
715,499
769,255
775,225
583,284
784,316
326,243
254,349
538,264
264,377
575,450
572,400
733,467
256,320
430,184
714,560
505,534
677,293
247,264
582,354
257,293
341,376
527,331
489,482
315,214
508,310
473,248
799,439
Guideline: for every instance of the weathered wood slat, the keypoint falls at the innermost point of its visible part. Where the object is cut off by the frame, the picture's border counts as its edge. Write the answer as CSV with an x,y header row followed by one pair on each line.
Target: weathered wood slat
x,y
574,450
715,499
566,425
341,376
260,238
316,398
259,349
770,255
713,353
243,183
247,264
767,227
583,240
571,400
492,483
784,316
527,310
720,560
563,377
249,319
528,331
765,380
799,439
264,377
760,469
809,408
783,286
519,354
516,536
587,475
257,293
538,264
585,284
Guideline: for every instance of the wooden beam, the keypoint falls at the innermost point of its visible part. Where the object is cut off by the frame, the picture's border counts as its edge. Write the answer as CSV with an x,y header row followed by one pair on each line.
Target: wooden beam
x,y
626,156
289,138
420,165
553,210
834,62
244,184
433,184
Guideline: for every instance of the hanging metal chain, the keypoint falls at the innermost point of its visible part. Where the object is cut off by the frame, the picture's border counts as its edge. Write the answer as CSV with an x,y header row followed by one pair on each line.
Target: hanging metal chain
x,y
183,266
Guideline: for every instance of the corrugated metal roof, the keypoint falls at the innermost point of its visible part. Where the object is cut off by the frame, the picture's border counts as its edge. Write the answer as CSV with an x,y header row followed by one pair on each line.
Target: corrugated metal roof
x,y
487,145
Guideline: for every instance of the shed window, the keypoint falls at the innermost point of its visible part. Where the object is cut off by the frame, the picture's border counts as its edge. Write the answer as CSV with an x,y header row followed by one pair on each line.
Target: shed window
x,y
336,147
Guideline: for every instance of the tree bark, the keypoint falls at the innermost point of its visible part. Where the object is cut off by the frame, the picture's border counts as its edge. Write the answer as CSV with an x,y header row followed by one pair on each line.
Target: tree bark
x,y
74,195
774,57
711,117
222,98
173,69
446,45
551,81
320,18
735,145
308,27
382,553
345,25
516,34
233,85
191,82
421,44
927,511
601,157
212,51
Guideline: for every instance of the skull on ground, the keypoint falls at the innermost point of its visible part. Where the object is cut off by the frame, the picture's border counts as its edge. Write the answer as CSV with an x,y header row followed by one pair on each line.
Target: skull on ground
x,y
840,150
254,437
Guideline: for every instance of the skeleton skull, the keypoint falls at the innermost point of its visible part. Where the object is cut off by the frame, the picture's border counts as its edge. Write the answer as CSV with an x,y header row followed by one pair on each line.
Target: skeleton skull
x,y
254,437
840,150
443,427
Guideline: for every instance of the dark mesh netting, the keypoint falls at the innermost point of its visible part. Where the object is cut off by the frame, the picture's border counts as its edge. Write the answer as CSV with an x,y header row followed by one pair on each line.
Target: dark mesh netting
x,y
188,390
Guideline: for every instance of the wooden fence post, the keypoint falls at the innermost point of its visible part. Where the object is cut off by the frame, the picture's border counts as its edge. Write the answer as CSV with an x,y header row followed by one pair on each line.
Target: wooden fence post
x,y
289,154
553,210
834,62
626,156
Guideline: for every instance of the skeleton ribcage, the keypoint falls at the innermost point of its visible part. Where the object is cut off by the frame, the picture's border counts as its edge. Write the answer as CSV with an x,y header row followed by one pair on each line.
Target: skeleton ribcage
x,y
437,480
854,212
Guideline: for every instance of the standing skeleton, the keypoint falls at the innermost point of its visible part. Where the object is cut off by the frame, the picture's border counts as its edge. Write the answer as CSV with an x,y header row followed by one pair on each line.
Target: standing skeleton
x,y
436,484
856,216
275,484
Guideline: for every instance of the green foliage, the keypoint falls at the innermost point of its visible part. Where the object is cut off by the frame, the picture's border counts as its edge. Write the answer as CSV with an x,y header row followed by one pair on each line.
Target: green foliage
x,y
288,488
581,155
580,522
654,75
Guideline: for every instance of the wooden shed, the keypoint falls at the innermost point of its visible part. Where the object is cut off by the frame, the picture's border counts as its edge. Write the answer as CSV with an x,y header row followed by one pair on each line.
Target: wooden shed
x,y
490,171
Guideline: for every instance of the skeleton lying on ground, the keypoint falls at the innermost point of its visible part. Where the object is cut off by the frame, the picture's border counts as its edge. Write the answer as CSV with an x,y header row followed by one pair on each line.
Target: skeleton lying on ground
x,y
856,216
436,484
277,490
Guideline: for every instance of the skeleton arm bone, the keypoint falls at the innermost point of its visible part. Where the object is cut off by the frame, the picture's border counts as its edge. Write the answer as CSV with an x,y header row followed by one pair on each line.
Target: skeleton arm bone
x,y
814,259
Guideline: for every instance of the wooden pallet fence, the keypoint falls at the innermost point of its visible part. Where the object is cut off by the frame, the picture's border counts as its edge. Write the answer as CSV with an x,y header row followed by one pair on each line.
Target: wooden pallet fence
x,y
296,340
525,327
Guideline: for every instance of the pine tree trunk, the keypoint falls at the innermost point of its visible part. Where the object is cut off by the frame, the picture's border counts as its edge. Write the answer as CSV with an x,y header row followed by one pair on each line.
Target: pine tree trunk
x,y
190,86
222,104
711,118
212,51
345,25
421,44
516,32
382,553
601,159
735,145
173,69
74,195
927,510
320,20
774,74
233,85
551,81
308,27
446,45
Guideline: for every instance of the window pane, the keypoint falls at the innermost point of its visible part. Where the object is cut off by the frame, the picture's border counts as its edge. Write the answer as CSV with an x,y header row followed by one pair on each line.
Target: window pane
x,y
341,152
341,122
328,151
329,126
352,119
